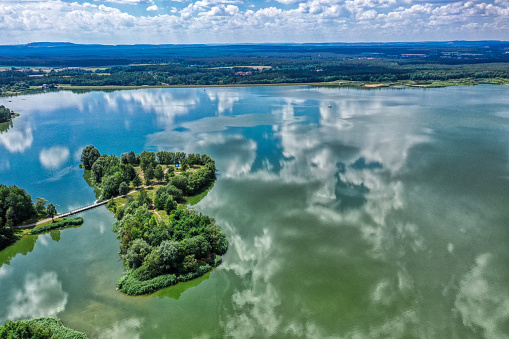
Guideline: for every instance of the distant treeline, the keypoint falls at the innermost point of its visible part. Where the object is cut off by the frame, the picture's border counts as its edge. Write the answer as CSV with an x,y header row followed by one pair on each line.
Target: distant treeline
x,y
282,71
45,65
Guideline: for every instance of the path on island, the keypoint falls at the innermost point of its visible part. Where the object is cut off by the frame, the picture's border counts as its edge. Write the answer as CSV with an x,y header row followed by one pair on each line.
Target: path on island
x,y
82,209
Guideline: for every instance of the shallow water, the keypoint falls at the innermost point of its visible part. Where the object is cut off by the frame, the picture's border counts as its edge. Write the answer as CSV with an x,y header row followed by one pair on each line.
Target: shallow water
x,y
350,213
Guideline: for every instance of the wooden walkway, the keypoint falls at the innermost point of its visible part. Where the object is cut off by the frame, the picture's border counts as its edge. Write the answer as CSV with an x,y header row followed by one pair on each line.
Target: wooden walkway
x,y
82,209
63,215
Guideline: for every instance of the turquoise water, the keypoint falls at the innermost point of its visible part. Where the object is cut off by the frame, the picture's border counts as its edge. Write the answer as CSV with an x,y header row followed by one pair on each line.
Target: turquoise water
x,y
350,213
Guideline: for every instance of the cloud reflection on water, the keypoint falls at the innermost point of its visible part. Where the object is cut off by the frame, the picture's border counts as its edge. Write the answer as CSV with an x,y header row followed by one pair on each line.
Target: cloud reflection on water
x,y
17,140
54,157
40,297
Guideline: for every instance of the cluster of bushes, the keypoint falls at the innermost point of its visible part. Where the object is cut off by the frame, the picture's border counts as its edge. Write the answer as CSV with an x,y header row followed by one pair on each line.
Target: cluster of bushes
x,y
67,222
159,254
132,286
39,328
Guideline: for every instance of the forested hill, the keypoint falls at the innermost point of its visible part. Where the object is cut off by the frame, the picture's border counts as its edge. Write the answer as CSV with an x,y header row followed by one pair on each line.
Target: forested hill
x,y
74,55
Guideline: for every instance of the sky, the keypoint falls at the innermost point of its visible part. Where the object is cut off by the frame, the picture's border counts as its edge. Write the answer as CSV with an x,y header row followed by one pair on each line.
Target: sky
x,y
261,21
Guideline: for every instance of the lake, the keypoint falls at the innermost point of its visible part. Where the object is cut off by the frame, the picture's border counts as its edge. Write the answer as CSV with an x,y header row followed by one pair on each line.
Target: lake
x,y
349,213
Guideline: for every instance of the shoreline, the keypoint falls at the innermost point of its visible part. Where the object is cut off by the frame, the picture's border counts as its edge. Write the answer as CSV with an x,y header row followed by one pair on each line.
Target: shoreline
x,y
338,84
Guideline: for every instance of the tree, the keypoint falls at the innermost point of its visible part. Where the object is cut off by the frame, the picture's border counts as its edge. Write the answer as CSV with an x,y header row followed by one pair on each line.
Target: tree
x,y
136,253
10,217
123,189
40,203
124,158
51,210
89,155
131,158
159,173
147,158
136,181
110,187
180,181
169,252
170,204
98,169
149,172
143,198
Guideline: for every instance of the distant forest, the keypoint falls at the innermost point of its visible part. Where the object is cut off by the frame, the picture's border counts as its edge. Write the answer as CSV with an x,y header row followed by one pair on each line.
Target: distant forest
x,y
46,65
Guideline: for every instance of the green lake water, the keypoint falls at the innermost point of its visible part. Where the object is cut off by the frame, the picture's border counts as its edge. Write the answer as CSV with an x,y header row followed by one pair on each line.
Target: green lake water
x,y
350,213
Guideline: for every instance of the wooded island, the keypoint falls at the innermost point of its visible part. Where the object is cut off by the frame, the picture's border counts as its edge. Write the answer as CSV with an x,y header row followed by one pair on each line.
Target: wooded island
x,y
162,242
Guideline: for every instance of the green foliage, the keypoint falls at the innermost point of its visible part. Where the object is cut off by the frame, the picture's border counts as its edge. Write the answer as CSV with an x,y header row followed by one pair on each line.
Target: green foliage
x,y
147,159
40,204
89,155
136,253
157,253
123,188
15,205
5,114
183,248
131,285
170,204
39,328
51,210
159,173
170,253
143,198
136,181
67,222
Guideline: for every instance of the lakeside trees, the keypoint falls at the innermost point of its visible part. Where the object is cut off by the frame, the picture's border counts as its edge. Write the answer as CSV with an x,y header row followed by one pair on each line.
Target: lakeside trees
x,y
16,206
5,114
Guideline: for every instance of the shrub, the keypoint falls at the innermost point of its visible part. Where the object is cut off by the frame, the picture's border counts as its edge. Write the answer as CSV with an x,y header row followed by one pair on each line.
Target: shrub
x,y
39,328
67,222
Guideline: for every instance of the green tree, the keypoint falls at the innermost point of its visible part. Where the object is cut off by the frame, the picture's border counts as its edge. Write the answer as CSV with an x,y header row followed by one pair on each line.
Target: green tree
x,y
190,264
149,172
159,173
147,158
143,198
40,204
89,155
170,204
10,217
136,253
123,189
51,210
180,182
169,252
110,187
98,169
136,181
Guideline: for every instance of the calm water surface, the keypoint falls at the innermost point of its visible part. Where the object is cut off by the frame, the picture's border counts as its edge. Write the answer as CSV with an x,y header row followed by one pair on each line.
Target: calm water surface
x,y
350,213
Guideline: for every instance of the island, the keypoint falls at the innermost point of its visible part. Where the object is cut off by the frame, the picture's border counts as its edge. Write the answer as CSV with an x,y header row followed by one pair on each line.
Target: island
x,y
6,114
162,241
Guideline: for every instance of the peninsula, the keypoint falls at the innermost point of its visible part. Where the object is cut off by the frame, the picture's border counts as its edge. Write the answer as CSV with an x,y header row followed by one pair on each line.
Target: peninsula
x,y
162,241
